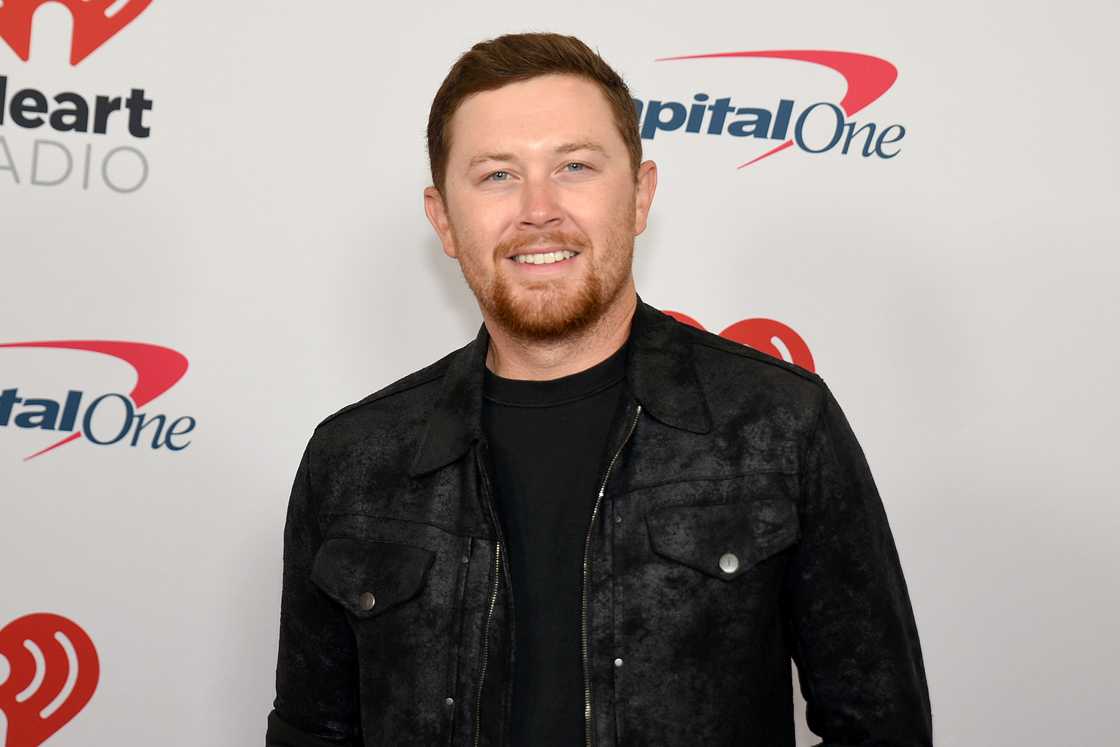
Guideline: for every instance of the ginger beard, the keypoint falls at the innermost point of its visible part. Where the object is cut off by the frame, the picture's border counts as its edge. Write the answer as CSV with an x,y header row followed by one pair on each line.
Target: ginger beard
x,y
549,310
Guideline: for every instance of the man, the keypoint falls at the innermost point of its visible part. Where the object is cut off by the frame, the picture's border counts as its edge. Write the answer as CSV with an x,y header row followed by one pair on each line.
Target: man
x,y
592,524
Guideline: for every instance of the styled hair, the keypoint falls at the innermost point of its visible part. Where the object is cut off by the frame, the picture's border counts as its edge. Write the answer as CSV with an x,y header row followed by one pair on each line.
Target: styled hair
x,y
511,58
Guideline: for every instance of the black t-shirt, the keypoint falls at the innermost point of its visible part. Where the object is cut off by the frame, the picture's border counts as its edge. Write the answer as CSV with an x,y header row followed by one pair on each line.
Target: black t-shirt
x,y
548,442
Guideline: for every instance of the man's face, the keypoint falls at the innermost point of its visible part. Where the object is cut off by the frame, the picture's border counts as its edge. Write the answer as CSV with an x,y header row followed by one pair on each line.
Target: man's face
x,y
540,206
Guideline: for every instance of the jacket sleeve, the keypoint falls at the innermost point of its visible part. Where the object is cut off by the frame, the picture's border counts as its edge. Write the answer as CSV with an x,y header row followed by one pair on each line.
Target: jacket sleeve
x,y
316,701
845,605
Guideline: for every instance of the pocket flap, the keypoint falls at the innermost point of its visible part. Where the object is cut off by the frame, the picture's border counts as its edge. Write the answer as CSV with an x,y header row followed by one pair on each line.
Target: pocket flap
x,y
724,540
367,577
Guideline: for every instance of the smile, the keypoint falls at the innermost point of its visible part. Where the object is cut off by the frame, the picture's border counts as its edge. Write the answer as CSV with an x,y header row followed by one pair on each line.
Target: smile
x,y
543,258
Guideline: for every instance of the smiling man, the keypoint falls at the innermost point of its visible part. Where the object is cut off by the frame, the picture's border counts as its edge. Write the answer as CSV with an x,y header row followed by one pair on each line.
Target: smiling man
x,y
592,524
539,197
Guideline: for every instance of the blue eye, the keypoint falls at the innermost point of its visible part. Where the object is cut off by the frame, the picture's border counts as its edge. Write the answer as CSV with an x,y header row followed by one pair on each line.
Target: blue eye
x,y
581,165
491,176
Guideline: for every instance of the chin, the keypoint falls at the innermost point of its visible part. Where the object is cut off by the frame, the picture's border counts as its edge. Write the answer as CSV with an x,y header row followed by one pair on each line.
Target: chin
x,y
545,315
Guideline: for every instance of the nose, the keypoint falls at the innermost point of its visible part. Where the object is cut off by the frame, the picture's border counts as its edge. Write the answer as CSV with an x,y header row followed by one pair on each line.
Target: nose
x,y
540,204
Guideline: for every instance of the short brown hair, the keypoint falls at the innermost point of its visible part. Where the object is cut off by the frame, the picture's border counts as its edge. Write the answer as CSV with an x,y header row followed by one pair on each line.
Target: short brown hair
x,y
511,58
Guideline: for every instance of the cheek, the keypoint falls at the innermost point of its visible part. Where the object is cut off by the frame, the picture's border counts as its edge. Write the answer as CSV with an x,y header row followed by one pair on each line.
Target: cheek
x,y
613,204
479,225
609,221
470,239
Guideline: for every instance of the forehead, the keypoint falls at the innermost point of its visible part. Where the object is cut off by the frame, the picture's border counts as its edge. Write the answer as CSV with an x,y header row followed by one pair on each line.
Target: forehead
x,y
533,113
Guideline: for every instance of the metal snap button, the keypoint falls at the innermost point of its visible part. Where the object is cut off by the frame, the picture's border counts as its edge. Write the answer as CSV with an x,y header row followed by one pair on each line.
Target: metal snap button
x,y
366,600
728,563
449,702
618,518
618,662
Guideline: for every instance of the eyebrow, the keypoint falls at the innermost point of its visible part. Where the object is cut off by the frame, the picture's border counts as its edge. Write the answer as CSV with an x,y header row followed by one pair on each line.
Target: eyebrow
x,y
560,149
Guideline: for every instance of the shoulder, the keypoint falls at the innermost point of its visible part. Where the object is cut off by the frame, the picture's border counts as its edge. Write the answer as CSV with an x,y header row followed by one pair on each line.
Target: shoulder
x,y
716,351
392,414
733,372
401,390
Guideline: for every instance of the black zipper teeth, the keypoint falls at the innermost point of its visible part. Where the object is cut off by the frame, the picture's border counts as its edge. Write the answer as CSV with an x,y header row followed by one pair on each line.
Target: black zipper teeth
x,y
486,642
588,734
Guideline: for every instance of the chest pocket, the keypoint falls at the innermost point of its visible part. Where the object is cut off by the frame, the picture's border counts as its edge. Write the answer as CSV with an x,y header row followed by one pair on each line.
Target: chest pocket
x,y
724,540
369,578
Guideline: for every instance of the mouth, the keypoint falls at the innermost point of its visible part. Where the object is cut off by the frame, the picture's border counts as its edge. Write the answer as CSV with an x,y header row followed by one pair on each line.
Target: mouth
x,y
544,257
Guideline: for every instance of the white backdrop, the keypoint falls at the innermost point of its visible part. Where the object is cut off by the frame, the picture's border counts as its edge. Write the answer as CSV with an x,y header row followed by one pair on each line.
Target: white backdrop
x,y
959,298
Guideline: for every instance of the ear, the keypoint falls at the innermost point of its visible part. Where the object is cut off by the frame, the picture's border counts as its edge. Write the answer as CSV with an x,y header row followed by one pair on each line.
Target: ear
x,y
436,210
643,194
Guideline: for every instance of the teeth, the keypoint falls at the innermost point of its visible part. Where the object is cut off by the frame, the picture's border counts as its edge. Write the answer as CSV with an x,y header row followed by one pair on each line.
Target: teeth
x,y
546,258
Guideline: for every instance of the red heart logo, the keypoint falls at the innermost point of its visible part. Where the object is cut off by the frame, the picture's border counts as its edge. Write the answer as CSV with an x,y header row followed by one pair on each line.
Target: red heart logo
x,y
764,335
95,22
48,672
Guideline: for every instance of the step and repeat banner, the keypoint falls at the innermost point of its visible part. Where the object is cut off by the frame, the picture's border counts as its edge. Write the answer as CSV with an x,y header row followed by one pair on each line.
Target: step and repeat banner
x,y
212,236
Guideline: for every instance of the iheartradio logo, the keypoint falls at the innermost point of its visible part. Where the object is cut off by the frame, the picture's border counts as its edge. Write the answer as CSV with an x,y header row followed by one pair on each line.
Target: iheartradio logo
x,y
95,22
48,672
764,335
68,162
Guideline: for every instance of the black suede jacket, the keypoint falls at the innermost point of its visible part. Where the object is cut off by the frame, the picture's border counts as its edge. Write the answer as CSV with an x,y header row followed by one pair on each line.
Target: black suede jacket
x,y
737,527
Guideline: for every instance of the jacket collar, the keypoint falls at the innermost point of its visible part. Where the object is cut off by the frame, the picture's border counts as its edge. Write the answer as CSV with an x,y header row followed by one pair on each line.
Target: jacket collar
x,y
660,374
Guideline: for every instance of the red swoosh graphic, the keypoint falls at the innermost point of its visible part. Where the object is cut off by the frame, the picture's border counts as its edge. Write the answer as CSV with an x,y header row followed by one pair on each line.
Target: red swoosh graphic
x,y
157,369
867,77
93,25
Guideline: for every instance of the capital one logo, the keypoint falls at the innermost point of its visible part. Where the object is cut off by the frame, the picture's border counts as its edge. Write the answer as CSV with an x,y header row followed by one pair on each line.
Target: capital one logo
x,y
48,672
95,22
866,79
109,418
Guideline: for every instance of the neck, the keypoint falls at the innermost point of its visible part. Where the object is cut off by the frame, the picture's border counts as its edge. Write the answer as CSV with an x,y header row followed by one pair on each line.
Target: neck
x,y
515,358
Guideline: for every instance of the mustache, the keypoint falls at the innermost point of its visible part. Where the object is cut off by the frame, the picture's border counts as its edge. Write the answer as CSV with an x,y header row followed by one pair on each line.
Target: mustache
x,y
560,239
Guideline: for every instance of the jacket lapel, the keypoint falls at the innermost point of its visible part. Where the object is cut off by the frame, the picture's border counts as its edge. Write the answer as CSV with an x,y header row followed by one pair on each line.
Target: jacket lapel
x,y
661,374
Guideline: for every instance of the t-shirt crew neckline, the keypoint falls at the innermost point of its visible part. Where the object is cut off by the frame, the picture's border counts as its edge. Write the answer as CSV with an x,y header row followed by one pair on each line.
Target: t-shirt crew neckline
x,y
550,392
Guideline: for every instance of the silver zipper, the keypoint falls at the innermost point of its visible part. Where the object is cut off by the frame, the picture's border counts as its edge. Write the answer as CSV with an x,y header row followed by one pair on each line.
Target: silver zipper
x,y
488,491
587,731
486,641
